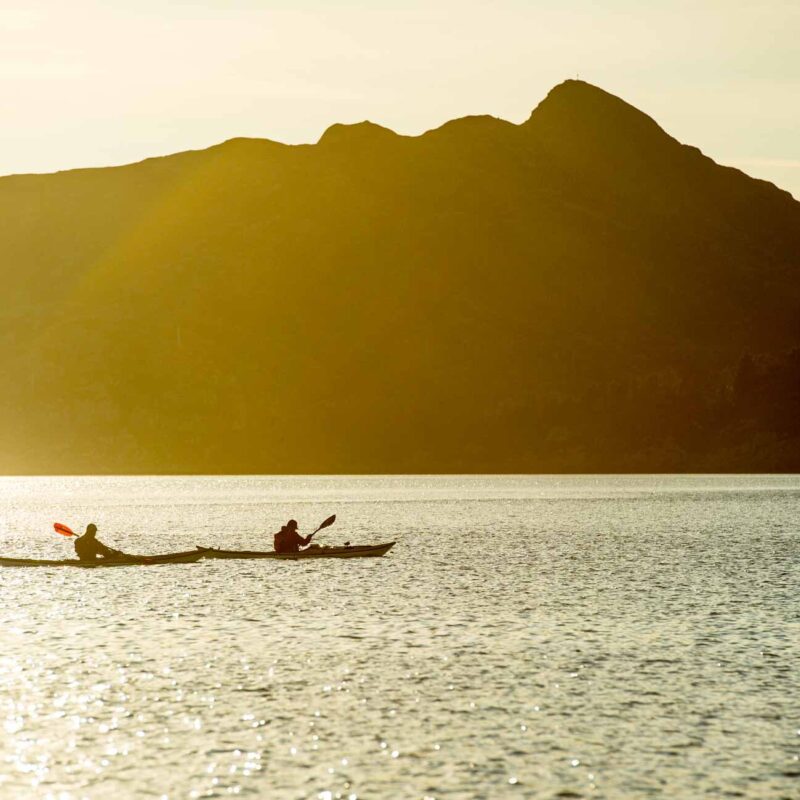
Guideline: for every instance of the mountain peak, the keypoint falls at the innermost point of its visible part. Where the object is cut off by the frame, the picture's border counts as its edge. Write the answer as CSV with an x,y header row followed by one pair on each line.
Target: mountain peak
x,y
580,106
590,129
472,124
356,133
577,87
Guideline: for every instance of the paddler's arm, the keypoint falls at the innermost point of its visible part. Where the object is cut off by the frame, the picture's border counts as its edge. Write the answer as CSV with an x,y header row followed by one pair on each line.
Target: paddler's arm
x,y
106,552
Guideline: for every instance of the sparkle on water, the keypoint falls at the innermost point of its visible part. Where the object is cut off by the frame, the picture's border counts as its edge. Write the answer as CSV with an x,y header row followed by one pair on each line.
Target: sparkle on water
x,y
527,637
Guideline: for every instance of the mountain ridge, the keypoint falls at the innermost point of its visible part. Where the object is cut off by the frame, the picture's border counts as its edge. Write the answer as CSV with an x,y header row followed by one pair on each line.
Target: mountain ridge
x,y
563,95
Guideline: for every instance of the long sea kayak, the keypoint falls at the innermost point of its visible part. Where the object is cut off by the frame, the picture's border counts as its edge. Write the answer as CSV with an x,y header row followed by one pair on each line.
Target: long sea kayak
x,y
350,551
186,557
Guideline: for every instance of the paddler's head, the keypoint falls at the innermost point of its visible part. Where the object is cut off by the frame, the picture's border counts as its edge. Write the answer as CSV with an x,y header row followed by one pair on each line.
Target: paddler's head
x,y
292,524
91,529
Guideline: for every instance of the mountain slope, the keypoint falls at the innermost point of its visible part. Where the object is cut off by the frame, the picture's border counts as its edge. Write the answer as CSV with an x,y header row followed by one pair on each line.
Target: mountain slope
x,y
579,292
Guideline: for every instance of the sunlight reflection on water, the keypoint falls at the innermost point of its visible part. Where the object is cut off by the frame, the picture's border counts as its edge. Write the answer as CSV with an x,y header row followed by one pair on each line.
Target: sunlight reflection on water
x,y
527,637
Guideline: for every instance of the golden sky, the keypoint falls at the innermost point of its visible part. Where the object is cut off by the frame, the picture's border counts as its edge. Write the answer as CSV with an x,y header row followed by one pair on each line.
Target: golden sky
x,y
86,83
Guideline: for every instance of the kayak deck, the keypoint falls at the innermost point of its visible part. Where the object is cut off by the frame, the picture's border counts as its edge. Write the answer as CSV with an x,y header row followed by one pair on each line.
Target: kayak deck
x,y
186,557
351,551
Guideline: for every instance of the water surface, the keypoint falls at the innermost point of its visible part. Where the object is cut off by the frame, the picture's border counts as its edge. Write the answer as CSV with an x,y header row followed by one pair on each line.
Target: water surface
x,y
528,637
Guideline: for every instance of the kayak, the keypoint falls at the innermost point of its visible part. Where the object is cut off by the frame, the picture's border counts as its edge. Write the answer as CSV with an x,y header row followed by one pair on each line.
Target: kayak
x,y
186,557
350,551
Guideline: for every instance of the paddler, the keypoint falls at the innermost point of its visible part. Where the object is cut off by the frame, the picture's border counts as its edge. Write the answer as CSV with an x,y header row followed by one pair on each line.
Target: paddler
x,y
89,548
288,540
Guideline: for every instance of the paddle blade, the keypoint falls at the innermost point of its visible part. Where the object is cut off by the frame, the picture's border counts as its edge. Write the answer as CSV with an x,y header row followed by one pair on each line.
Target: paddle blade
x,y
327,522
63,529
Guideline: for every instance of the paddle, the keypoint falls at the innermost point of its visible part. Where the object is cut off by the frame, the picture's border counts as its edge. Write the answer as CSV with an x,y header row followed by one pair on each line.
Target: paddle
x,y
325,524
63,529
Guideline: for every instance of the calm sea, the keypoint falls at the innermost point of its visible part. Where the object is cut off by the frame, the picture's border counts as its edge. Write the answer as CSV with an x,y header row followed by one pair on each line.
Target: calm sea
x,y
528,637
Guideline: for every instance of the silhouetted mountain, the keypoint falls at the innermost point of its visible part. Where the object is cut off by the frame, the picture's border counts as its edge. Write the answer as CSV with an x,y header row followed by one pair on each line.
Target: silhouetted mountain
x,y
577,293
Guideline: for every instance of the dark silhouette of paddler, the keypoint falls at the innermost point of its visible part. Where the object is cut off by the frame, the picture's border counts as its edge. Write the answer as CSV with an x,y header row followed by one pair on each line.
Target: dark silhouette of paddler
x,y
288,540
88,548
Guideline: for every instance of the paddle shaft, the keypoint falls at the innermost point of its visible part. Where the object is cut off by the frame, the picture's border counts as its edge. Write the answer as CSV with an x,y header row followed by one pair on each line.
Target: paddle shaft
x,y
325,524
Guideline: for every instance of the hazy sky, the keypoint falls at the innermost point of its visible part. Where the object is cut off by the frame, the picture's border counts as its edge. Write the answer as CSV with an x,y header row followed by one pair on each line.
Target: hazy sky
x,y
86,82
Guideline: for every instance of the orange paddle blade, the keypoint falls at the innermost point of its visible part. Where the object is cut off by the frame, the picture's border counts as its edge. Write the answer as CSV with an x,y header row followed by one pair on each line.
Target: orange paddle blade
x,y
63,529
